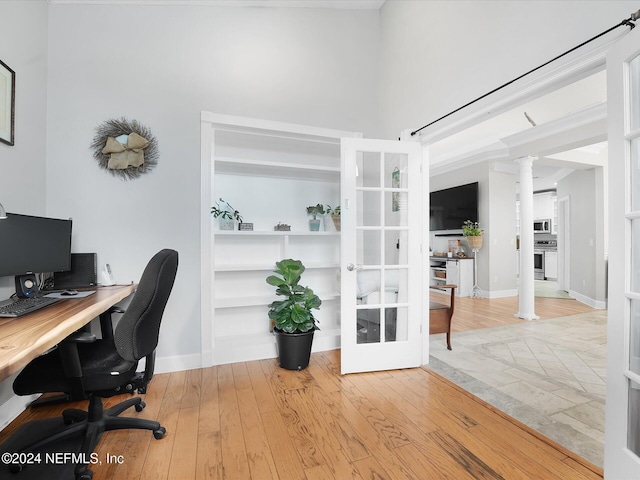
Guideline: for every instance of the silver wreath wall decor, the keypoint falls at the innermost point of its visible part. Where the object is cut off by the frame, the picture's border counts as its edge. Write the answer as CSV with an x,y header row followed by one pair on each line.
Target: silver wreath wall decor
x,y
124,148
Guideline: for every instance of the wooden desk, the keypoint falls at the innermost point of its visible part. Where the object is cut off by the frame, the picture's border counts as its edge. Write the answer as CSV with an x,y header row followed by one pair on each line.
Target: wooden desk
x,y
24,338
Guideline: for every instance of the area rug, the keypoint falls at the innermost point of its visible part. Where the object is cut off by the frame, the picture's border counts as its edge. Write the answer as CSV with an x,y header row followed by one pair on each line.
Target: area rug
x,y
549,375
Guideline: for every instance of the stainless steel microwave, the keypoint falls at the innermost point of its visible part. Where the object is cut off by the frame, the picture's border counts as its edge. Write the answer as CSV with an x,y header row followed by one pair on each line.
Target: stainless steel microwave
x,y
542,226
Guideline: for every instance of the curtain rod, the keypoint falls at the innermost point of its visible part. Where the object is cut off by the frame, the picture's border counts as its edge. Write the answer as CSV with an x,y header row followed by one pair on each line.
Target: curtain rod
x,y
629,22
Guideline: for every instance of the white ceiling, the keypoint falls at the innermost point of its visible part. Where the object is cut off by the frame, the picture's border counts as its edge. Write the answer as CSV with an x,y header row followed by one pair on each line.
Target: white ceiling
x,y
491,139
341,4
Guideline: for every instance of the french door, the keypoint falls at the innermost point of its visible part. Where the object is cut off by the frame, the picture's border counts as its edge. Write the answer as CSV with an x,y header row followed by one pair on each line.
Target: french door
x,y
381,272
622,432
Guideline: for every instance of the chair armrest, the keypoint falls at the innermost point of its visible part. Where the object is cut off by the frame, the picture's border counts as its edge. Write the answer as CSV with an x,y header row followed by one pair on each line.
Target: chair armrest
x,y
106,324
436,287
81,337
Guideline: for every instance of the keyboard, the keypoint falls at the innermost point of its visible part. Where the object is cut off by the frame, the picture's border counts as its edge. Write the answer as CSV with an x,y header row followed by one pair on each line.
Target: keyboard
x,y
22,306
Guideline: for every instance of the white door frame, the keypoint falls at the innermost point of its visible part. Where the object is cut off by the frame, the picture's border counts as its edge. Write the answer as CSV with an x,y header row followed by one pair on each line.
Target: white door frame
x,y
620,461
564,243
405,350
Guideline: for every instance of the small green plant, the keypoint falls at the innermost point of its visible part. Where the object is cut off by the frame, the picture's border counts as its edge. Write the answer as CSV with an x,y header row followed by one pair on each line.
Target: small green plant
x,y
316,210
333,211
293,314
225,211
471,229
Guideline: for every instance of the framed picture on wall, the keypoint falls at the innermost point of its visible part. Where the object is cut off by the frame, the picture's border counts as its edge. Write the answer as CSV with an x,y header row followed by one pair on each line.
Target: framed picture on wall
x,y
7,103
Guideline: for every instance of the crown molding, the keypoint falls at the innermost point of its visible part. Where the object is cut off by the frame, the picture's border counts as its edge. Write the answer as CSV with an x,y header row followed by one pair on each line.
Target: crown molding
x,y
336,4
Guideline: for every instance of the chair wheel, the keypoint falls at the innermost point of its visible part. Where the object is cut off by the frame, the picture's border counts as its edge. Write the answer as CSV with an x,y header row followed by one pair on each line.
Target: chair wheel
x,y
86,475
159,433
140,406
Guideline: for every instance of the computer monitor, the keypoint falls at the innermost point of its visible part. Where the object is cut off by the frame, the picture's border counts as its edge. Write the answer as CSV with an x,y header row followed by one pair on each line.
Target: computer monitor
x,y
34,245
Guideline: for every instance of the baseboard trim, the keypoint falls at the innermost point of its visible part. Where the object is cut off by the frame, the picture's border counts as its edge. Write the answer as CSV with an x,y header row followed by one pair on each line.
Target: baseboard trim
x,y
599,304
178,363
14,407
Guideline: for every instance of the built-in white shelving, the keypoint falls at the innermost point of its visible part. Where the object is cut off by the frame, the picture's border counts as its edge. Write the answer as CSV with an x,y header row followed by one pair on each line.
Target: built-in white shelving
x,y
270,172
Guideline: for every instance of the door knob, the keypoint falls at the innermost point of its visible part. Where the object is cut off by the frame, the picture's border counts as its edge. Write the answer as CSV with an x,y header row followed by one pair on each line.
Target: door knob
x,y
351,267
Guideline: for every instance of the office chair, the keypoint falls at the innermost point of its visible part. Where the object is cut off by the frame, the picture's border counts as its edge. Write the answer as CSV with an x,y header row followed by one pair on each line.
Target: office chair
x,y
138,383
100,368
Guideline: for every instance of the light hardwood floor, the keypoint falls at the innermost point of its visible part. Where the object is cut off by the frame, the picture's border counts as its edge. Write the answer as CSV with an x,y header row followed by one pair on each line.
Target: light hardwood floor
x,y
254,420
476,313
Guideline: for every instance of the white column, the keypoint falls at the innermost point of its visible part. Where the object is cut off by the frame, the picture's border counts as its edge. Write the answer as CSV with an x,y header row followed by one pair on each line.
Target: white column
x,y
526,298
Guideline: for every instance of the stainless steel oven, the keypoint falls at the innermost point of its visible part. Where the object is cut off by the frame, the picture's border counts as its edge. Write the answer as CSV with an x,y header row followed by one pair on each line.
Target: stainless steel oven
x,y
538,264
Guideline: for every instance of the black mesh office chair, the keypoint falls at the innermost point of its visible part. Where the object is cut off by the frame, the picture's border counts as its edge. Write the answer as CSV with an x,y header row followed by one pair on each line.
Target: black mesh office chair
x,y
100,368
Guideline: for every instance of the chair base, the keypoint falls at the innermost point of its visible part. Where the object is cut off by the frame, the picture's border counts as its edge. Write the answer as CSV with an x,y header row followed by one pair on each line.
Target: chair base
x,y
78,433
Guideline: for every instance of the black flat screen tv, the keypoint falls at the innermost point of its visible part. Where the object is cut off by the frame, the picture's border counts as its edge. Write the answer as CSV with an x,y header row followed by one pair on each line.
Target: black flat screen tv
x,y
34,245
450,208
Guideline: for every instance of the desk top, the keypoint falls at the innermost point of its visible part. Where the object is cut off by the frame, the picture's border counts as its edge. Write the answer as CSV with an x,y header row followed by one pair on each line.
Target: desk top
x,y
24,338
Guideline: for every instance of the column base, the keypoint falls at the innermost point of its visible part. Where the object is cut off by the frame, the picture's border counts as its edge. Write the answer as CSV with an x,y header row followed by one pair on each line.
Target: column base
x,y
527,316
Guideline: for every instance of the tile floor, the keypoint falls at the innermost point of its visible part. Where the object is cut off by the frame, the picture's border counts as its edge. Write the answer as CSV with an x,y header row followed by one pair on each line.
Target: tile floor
x,y
547,374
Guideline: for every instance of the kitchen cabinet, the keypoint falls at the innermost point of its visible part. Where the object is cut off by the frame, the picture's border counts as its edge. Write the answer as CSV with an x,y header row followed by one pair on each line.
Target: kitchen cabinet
x,y
543,205
551,265
453,271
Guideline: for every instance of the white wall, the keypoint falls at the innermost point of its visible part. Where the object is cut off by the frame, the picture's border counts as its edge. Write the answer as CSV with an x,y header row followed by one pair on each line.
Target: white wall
x,y
162,66
439,55
587,257
23,47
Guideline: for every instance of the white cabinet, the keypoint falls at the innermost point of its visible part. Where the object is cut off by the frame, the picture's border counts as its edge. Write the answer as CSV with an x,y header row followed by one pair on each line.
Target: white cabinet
x,y
545,207
551,265
270,172
453,271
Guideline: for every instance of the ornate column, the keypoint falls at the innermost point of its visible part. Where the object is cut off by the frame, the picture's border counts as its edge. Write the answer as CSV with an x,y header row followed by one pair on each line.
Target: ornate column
x,y
526,297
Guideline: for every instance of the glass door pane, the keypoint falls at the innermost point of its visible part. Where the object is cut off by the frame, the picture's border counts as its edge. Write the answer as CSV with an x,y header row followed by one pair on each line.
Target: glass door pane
x,y
633,273
381,235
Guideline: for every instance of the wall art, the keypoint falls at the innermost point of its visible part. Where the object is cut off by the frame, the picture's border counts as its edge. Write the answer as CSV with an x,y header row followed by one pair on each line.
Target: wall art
x,y
125,148
7,104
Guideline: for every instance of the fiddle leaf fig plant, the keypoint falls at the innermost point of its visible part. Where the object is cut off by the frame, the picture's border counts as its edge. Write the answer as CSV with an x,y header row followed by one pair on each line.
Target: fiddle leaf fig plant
x,y
294,313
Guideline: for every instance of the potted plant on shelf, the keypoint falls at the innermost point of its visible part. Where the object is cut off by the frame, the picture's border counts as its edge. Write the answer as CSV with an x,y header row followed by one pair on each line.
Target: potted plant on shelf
x,y
292,318
315,210
226,214
473,233
334,214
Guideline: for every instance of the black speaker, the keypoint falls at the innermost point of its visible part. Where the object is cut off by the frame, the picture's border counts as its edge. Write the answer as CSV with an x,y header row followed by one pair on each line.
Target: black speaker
x,y
83,273
26,285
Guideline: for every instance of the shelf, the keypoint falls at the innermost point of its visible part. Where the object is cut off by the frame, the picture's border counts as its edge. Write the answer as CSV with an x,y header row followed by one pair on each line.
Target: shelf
x,y
274,233
262,300
261,267
262,168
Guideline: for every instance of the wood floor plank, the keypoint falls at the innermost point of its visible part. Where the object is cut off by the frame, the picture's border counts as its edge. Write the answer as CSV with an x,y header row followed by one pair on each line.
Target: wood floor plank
x,y
158,458
192,386
234,454
260,459
285,455
321,472
320,437
209,451
134,450
431,463
184,453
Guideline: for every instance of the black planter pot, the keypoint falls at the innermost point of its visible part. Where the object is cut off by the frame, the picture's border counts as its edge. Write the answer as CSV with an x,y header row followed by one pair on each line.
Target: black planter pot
x,y
294,349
